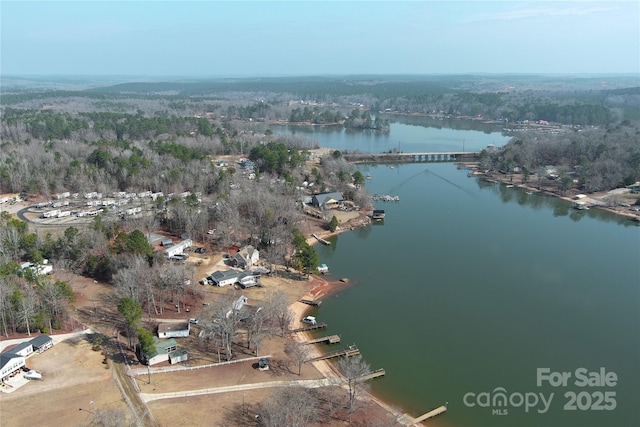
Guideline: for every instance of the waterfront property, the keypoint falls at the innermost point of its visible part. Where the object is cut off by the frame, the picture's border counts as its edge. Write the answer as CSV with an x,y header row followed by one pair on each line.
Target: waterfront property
x,y
327,200
378,214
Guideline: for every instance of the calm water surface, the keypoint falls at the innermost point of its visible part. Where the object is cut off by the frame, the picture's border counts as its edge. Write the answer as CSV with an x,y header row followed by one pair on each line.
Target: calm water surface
x,y
469,287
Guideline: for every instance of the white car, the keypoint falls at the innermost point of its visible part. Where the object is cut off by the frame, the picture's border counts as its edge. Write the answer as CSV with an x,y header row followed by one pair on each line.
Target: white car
x,y
193,320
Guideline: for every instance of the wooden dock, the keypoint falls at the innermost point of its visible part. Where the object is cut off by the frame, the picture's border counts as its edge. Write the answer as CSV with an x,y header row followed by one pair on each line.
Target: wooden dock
x,y
430,414
352,350
321,240
312,302
331,339
310,328
371,375
408,420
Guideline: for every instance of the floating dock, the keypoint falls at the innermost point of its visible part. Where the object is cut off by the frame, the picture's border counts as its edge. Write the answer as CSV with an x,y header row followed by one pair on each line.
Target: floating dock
x,y
352,350
310,327
312,302
321,240
331,339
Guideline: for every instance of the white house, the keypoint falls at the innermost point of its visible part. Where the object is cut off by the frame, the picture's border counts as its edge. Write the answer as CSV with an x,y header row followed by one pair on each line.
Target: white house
x,y
163,349
23,349
246,257
10,363
41,269
224,277
178,248
174,330
41,343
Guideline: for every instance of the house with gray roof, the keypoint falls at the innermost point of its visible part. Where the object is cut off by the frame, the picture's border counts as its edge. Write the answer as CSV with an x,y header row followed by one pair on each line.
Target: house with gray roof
x,y
224,277
246,257
10,364
327,200
41,343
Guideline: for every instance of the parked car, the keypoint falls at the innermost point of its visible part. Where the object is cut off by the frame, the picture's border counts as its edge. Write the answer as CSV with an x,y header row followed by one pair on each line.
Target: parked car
x,y
200,250
193,321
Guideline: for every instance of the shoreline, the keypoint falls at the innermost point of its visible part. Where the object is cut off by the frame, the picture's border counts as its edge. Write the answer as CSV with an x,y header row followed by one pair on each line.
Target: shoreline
x,y
598,197
326,368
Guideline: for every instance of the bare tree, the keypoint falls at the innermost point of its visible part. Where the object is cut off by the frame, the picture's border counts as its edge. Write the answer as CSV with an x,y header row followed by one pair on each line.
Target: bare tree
x,y
224,320
110,418
26,307
278,309
256,328
291,407
299,351
353,368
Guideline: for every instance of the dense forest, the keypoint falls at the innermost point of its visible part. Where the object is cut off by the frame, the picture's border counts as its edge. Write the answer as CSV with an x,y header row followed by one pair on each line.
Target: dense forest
x,y
169,138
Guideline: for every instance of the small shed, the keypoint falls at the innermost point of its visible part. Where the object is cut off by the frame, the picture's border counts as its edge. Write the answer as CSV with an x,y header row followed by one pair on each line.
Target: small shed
x,y
174,330
178,356
41,343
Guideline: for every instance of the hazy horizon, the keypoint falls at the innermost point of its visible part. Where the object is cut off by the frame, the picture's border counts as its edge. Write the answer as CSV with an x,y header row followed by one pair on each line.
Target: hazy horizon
x,y
218,39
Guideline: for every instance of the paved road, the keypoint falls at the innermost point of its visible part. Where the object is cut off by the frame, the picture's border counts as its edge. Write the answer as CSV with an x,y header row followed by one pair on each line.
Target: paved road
x,y
148,397
56,338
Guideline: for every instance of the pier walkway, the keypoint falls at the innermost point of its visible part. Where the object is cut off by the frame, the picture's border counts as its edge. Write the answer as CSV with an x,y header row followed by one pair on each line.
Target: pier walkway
x,y
371,375
408,420
321,240
352,350
309,328
331,339
311,302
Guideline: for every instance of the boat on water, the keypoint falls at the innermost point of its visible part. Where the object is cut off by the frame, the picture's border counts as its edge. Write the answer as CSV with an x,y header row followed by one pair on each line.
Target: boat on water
x,y
581,206
368,176
378,214
510,186
323,269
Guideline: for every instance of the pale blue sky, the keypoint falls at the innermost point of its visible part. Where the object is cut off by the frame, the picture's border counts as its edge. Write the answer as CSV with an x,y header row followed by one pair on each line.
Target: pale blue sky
x,y
241,38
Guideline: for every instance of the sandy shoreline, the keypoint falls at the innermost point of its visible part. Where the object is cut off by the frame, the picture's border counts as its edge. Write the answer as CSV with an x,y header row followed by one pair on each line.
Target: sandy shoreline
x,y
322,289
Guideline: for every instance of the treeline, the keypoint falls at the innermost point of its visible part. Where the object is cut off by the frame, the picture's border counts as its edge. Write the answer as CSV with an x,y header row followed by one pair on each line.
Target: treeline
x,y
590,159
514,98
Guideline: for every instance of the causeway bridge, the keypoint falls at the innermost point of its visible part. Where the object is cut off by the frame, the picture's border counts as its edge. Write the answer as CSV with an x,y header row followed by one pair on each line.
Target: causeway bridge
x,y
417,157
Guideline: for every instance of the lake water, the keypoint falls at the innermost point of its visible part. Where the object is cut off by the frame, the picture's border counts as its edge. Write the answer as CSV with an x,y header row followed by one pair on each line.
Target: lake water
x,y
407,134
468,288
